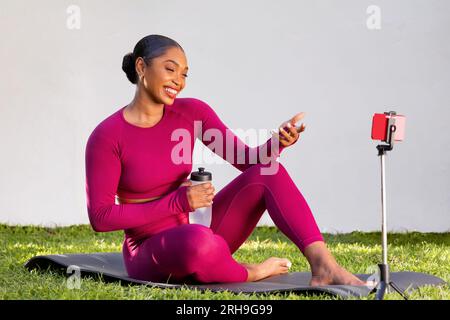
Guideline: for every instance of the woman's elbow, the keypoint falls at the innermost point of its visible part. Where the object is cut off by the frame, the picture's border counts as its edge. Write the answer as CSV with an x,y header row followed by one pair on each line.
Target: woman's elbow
x,y
95,221
97,227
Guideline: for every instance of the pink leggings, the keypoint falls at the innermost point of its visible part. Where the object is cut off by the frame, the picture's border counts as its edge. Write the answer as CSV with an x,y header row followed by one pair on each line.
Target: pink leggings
x,y
193,253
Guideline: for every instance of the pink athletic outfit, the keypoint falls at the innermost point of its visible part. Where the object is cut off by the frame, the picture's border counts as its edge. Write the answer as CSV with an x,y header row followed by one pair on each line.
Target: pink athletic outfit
x,y
159,243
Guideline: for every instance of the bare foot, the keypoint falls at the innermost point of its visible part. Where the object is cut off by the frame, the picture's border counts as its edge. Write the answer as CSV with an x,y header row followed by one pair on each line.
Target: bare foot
x,y
326,271
326,275
270,267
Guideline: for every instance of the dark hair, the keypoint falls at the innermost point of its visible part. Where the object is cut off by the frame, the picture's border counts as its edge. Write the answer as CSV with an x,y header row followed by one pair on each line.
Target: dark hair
x,y
149,47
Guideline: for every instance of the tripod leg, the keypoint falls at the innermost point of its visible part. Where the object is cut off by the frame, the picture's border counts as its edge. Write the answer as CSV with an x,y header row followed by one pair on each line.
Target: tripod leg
x,y
400,292
381,290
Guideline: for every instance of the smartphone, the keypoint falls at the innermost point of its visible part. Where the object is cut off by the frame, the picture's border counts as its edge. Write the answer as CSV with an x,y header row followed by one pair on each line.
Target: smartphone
x,y
380,128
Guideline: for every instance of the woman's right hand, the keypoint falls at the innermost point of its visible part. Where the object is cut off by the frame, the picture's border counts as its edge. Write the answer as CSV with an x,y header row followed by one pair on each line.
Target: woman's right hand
x,y
288,133
200,195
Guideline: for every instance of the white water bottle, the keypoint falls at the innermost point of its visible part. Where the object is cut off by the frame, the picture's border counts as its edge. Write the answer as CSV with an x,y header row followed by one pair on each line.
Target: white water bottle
x,y
201,215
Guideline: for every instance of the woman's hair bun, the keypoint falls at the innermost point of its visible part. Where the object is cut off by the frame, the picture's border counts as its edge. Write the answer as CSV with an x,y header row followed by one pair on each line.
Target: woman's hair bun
x,y
128,66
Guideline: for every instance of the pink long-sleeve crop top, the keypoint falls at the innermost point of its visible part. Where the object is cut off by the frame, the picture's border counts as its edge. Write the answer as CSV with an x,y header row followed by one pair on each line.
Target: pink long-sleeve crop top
x,y
134,162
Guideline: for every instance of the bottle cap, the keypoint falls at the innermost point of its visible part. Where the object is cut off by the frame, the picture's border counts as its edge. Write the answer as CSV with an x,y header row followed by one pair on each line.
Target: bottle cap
x,y
201,175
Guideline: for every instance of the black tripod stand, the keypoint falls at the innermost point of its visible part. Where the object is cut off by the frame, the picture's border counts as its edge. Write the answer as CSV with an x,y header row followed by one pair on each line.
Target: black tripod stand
x,y
385,283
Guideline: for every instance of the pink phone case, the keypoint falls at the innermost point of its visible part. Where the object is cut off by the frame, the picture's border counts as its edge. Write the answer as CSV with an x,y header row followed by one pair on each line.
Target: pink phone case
x,y
379,126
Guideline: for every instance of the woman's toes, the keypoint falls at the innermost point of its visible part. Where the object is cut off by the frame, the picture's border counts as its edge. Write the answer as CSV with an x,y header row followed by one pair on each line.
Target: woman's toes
x,y
349,278
285,262
285,265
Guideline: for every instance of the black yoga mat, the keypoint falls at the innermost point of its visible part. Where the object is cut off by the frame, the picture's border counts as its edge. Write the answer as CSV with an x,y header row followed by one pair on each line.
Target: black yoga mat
x,y
110,266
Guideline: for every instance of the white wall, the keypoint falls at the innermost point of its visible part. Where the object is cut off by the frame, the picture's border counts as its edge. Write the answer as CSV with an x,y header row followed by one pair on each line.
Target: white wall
x,y
257,63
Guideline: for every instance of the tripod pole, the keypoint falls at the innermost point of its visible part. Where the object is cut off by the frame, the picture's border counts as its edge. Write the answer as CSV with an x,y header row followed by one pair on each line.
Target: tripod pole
x,y
383,209
385,282
383,286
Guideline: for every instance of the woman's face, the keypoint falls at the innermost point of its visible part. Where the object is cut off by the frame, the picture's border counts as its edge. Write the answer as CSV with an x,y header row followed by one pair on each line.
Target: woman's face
x,y
165,77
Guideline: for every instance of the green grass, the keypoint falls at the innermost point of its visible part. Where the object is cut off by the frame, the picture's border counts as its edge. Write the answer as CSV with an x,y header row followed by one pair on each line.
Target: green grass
x,y
357,252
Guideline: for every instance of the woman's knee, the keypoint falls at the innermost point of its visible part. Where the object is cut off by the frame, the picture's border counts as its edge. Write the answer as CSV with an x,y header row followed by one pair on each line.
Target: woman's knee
x,y
267,172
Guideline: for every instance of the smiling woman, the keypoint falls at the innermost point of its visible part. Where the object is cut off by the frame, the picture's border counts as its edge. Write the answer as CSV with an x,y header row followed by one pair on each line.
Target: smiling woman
x,y
158,67
130,155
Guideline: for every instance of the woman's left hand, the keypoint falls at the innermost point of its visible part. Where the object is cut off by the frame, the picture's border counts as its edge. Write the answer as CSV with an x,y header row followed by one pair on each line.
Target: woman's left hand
x,y
288,132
